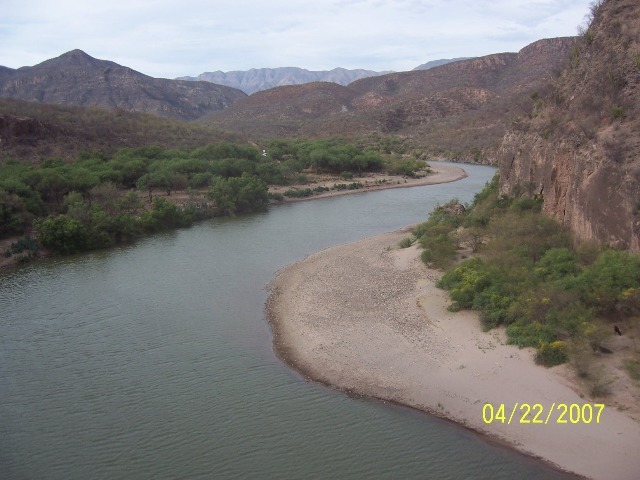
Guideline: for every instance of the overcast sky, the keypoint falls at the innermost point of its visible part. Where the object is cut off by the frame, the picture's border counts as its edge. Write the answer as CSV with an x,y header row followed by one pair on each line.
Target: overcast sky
x,y
171,38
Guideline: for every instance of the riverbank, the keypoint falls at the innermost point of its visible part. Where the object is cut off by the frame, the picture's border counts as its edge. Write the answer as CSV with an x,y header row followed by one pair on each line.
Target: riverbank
x,y
366,318
375,181
370,182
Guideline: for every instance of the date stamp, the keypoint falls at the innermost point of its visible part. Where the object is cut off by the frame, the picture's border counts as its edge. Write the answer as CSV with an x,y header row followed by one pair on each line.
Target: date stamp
x,y
526,413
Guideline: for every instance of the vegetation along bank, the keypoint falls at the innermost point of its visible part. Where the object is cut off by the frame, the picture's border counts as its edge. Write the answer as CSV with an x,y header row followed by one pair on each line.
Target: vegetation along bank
x,y
97,201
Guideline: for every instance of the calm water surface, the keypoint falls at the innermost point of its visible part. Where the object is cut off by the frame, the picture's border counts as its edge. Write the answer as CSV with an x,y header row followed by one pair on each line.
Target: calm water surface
x,y
155,361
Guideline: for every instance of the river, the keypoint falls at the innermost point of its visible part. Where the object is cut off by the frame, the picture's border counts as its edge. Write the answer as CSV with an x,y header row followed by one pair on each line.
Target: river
x,y
154,361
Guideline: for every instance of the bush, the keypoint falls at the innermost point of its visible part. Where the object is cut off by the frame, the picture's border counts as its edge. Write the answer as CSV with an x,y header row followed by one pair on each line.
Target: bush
x,y
298,193
63,235
439,251
239,195
407,242
550,354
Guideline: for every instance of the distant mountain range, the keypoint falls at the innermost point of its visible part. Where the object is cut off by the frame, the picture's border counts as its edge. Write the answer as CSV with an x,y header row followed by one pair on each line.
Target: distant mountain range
x,y
461,108
257,79
437,63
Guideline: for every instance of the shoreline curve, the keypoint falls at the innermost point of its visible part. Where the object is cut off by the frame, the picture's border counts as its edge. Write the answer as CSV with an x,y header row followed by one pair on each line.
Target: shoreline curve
x,y
366,318
440,174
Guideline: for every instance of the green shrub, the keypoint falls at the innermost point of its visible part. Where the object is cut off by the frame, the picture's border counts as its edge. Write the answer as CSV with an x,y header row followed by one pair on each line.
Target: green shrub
x,y
63,235
407,242
439,250
550,354
556,264
298,193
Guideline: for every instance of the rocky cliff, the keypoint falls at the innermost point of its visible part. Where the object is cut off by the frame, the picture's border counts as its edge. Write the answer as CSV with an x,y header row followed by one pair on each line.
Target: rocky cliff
x,y
579,148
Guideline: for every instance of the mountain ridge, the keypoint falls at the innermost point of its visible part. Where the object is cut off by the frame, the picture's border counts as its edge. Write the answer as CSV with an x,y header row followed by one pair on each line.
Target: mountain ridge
x,y
478,96
258,79
76,78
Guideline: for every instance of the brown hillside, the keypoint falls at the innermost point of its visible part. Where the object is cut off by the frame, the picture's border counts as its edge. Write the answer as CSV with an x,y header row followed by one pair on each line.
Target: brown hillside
x,y
283,111
457,107
32,132
76,78
580,147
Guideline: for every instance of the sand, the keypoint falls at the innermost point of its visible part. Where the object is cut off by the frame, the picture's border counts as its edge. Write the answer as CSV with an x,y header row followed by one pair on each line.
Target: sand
x,y
366,318
439,174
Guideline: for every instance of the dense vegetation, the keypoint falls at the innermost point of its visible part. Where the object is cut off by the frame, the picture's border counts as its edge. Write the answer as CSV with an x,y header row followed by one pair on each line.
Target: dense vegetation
x,y
529,276
97,200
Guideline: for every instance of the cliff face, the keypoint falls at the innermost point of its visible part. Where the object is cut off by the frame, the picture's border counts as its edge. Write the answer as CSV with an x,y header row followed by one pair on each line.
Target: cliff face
x,y
580,146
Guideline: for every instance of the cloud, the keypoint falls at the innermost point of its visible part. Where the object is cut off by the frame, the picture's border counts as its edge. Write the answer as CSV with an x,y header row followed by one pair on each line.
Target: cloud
x,y
167,38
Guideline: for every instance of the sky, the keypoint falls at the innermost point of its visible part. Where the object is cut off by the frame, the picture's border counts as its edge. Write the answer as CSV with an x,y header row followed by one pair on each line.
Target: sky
x,y
169,39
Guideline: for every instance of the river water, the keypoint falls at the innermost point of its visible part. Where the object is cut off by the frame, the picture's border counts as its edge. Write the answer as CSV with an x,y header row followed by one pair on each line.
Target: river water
x,y
154,361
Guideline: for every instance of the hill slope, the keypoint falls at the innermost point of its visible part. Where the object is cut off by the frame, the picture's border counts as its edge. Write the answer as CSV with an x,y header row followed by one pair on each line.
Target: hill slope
x,y
76,78
580,148
454,107
31,132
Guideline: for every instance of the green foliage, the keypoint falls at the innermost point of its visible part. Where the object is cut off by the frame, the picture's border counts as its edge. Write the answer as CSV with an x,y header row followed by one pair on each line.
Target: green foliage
x,y
606,283
164,215
298,193
407,242
439,251
404,166
529,278
62,234
239,195
550,354
556,264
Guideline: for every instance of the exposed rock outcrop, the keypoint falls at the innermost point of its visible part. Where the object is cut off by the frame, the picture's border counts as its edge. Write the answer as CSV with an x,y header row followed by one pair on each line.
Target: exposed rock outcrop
x,y
580,147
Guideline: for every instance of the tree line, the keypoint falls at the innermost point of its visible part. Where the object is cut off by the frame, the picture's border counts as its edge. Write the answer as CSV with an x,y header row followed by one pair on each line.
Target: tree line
x,y
96,201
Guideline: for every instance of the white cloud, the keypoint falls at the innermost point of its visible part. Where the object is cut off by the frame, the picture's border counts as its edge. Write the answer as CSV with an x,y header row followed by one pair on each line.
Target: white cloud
x,y
167,38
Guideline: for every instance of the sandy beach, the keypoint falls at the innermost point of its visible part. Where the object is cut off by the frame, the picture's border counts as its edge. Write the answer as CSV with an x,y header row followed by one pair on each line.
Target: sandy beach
x,y
375,181
367,318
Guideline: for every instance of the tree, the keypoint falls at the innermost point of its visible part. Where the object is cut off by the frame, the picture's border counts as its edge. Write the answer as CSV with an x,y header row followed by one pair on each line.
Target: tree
x,y
62,234
239,194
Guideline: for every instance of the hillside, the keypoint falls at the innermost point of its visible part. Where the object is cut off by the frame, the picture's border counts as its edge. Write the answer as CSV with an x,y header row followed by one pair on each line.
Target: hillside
x,y
76,78
579,147
459,108
30,131
258,79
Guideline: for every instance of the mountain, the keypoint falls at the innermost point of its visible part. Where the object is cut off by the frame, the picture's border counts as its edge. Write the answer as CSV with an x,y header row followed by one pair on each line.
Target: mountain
x,y
76,78
437,63
258,79
457,109
460,110
579,147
